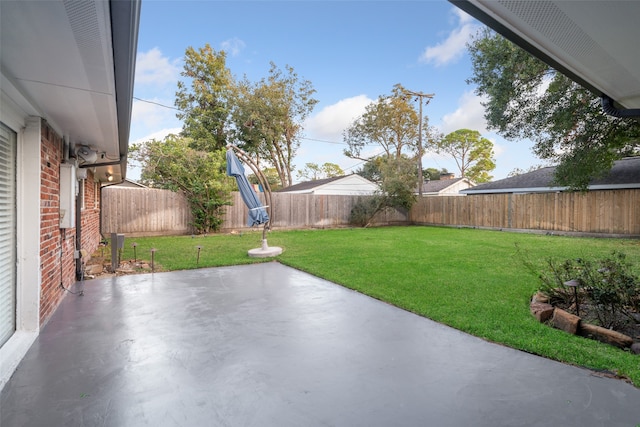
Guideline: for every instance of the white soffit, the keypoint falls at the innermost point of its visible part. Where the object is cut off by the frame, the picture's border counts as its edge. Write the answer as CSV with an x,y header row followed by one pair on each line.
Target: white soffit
x,y
597,43
59,55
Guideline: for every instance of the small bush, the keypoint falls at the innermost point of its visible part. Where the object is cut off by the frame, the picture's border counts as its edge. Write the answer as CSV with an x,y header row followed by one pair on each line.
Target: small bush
x,y
610,289
364,210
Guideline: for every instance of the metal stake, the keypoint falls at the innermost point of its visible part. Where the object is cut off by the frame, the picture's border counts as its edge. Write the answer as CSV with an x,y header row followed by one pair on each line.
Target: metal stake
x,y
574,284
153,251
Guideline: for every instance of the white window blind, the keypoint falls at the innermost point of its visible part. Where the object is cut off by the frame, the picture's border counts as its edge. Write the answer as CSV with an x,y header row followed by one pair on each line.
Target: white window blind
x,y
7,233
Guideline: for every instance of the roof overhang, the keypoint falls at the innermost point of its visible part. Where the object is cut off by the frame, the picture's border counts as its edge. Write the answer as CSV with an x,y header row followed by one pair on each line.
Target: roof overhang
x,y
595,43
73,64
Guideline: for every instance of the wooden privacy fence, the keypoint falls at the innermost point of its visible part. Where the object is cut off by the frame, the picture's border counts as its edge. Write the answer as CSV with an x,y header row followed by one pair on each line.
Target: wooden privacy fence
x,y
298,211
142,211
614,212
148,212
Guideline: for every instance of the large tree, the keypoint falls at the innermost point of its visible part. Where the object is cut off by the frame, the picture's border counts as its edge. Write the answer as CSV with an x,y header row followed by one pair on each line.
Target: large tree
x,y
268,117
472,153
204,97
391,123
313,171
201,175
525,98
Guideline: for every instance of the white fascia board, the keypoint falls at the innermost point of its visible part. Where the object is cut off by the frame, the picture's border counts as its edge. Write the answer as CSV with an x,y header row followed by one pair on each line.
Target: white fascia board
x,y
552,189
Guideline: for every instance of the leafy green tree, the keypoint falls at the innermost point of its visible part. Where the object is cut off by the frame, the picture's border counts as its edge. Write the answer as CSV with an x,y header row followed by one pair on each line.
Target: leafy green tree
x,y
268,117
525,98
390,123
433,174
519,171
271,176
397,190
399,181
312,171
473,153
204,98
201,175
372,169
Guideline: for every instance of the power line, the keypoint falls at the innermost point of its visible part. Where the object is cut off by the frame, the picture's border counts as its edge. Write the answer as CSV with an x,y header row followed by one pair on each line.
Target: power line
x,y
157,103
322,140
177,109
419,96
305,138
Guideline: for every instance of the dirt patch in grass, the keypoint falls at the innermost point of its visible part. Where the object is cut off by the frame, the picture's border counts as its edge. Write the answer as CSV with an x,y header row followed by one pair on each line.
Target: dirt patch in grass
x,y
100,266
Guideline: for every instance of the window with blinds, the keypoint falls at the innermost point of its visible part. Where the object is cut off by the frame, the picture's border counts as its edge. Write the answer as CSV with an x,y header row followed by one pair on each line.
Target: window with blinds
x,y
8,140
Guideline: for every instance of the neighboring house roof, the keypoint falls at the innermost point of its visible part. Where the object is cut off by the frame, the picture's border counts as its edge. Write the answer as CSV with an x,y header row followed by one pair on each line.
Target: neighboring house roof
x,y
592,42
345,185
129,183
446,186
72,63
625,173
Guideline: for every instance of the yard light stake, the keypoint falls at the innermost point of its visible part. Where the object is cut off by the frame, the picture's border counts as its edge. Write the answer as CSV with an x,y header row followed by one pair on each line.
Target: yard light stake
x,y
574,284
153,251
135,258
198,258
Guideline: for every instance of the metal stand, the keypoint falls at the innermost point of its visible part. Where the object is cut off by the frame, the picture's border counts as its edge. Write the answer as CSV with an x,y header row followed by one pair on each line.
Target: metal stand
x,y
265,251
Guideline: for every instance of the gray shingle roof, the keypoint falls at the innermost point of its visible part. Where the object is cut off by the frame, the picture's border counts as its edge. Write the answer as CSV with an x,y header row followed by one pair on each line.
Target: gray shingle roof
x,y
308,185
438,185
625,173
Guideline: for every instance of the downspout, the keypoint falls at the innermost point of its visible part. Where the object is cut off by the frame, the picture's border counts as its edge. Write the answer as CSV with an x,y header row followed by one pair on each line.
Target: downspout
x,y
66,150
610,109
79,274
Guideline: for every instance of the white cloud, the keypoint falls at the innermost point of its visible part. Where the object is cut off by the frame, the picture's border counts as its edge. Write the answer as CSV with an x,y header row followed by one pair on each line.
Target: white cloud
x,y
453,47
332,120
151,115
233,46
325,128
153,68
469,115
158,135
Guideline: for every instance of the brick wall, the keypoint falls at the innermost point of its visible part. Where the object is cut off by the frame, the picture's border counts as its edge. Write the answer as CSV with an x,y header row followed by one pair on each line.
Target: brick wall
x,y
57,246
57,263
90,215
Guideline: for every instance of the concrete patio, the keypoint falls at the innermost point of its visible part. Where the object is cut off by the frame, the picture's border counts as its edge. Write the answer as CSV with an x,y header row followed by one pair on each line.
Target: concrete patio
x,y
267,345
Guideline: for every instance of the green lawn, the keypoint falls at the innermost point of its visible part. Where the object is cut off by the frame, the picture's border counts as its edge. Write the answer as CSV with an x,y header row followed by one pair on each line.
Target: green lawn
x,y
473,280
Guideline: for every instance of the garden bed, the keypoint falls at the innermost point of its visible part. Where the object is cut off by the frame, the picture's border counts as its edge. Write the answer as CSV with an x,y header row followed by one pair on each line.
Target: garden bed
x,y
581,320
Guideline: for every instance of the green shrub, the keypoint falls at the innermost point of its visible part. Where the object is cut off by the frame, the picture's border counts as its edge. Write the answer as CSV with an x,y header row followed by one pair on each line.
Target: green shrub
x,y
611,289
364,210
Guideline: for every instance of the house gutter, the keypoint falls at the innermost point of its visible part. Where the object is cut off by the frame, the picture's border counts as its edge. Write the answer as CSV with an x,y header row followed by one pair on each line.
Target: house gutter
x,y
125,23
608,107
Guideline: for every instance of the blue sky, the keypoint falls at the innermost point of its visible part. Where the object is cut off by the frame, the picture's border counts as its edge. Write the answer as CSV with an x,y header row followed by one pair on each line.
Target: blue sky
x,y
351,51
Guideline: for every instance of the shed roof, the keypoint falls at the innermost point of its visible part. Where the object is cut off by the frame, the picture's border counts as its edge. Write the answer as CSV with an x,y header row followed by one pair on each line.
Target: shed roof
x,y
439,185
308,185
314,185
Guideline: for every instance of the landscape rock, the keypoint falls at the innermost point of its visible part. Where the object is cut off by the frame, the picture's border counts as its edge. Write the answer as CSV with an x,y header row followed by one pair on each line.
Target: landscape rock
x,y
540,297
605,335
565,321
541,311
93,269
635,348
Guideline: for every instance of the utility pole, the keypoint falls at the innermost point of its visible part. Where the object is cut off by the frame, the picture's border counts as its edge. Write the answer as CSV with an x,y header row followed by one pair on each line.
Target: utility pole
x,y
420,96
